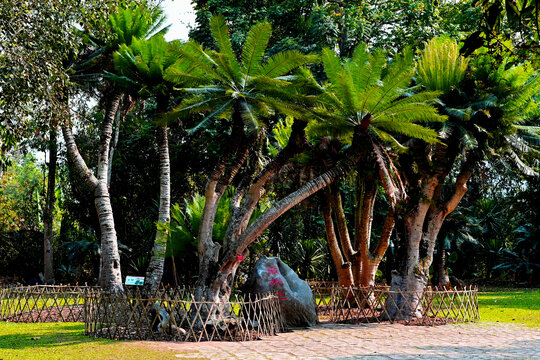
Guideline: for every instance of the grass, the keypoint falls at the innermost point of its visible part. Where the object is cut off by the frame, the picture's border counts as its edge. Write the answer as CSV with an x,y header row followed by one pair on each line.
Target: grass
x,y
516,306
67,341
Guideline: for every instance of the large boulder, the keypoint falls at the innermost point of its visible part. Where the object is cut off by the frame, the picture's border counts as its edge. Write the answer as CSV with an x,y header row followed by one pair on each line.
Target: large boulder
x,y
295,296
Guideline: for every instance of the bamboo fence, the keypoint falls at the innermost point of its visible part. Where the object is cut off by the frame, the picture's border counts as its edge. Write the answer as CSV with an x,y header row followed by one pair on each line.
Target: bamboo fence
x,y
134,315
371,304
44,303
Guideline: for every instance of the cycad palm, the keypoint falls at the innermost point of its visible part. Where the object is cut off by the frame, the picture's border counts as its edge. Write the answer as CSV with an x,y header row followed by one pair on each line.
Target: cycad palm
x,y
250,89
367,92
366,96
125,25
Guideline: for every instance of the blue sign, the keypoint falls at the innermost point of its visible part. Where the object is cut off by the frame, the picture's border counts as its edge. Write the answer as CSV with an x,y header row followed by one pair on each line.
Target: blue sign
x,y
134,280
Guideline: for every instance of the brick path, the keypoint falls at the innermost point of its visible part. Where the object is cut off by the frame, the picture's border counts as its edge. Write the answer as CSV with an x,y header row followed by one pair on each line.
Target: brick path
x,y
385,341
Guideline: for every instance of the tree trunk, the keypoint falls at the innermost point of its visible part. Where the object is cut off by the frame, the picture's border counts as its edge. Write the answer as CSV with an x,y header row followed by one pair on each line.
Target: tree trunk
x,y
222,279
154,273
442,273
423,224
219,179
113,146
409,280
110,274
343,269
48,216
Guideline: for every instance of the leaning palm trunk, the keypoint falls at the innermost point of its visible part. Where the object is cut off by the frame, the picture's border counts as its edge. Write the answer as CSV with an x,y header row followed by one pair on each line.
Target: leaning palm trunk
x,y
110,273
222,280
154,273
48,216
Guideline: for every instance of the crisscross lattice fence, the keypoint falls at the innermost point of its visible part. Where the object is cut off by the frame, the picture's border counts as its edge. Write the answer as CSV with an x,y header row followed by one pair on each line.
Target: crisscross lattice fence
x,y
378,304
44,303
173,315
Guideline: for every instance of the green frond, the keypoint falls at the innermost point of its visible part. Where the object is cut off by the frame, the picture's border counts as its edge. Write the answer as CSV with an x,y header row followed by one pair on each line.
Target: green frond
x,y
419,98
397,78
136,22
417,112
205,90
249,117
410,130
522,167
468,141
283,62
220,34
177,76
529,129
517,143
369,73
193,54
211,117
332,65
389,139
225,68
441,67
254,47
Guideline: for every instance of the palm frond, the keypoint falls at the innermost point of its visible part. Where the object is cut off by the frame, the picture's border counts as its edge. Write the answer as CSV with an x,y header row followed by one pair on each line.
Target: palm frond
x,y
254,47
211,117
283,62
220,33
441,67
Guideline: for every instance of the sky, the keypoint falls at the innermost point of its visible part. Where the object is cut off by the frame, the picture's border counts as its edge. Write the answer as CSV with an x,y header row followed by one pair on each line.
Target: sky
x,y
181,15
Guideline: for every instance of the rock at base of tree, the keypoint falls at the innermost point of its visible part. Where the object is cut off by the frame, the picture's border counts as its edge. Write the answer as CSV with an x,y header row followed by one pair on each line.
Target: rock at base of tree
x,y
295,296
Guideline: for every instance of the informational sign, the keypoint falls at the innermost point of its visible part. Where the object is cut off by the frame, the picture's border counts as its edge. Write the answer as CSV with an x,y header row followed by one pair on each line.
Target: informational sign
x,y
134,280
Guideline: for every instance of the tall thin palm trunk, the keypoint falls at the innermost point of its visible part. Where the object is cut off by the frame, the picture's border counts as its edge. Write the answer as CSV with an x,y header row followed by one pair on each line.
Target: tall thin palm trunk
x,y
48,216
154,273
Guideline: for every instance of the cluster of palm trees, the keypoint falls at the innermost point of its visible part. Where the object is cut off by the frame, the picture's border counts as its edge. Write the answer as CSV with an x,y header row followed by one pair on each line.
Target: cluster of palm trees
x,y
397,133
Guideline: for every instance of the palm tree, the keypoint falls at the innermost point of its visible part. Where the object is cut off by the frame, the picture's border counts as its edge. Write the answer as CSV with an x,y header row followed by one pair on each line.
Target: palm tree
x,y
476,118
126,24
140,69
243,93
368,95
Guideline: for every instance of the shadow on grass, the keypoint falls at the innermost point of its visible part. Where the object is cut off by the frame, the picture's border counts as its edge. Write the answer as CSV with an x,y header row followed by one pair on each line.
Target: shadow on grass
x,y
49,337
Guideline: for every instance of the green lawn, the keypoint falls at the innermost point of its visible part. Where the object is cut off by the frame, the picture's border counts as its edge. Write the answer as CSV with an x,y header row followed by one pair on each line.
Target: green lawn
x,y
516,306
67,341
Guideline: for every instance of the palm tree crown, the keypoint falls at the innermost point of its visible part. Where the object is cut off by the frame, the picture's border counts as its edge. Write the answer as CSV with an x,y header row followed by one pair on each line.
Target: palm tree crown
x,y
370,93
251,87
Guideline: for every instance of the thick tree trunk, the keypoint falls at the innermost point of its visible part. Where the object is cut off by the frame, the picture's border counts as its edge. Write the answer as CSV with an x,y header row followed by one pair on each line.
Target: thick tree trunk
x,y
218,181
423,224
154,273
110,274
48,216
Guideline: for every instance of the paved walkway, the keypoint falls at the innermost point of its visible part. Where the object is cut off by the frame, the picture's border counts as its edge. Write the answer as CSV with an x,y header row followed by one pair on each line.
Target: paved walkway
x,y
385,341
